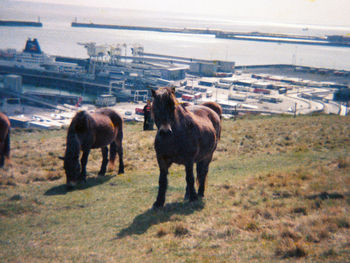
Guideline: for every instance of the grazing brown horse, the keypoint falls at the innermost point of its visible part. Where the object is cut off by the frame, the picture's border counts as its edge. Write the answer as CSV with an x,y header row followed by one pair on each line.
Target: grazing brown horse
x,y
186,135
90,131
4,139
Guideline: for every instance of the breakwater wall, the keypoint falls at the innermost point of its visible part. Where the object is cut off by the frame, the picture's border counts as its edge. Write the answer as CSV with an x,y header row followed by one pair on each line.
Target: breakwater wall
x,y
145,28
20,23
339,41
280,38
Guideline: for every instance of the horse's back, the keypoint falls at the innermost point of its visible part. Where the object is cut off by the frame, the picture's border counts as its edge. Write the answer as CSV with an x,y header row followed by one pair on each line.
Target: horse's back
x,y
95,130
214,106
114,117
206,117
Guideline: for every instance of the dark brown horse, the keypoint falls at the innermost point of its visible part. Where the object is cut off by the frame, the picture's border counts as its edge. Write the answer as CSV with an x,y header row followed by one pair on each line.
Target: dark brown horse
x,y
186,135
89,131
4,139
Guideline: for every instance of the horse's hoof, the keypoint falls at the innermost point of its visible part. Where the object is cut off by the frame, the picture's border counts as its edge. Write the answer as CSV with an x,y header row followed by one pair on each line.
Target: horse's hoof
x,y
111,167
69,187
120,171
157,206
101,174
193,198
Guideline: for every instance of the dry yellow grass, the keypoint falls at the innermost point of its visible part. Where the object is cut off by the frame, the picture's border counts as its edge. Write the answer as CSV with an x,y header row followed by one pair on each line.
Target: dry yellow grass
x,y
278,189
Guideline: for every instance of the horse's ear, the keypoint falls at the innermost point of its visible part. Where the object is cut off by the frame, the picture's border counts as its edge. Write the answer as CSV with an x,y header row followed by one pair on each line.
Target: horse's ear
x,y
153,93
173,90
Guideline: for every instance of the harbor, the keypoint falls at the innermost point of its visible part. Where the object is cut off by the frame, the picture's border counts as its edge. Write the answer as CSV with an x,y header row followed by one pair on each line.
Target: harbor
x,y
123,82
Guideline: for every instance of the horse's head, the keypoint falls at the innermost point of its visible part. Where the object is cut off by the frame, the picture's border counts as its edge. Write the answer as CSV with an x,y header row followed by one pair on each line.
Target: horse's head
x,y
72,169
163,107
71,161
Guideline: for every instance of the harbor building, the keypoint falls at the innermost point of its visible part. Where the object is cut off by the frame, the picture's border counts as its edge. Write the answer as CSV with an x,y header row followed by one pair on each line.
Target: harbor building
x,y
13,83
211,68
203,69
174,73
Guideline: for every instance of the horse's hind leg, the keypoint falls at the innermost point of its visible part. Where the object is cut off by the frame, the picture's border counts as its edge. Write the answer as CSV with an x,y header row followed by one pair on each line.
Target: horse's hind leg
x,y
190,190
104,161
112,156
202,171
83,163
114,149
121,162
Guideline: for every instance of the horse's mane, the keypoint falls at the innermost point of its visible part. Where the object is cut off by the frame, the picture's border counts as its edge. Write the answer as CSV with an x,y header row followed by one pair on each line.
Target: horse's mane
x,y
80,122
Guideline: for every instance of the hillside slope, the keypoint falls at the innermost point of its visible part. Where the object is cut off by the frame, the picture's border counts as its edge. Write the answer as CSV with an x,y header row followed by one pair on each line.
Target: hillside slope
x,y
278,189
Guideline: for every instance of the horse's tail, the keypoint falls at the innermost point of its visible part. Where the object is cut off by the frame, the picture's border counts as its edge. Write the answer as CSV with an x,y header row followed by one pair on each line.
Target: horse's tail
x,y
215,107
120,124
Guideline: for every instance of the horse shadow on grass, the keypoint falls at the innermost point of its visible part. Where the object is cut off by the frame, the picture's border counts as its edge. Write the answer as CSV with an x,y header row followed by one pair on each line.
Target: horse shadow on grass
x,y
144,221
90,182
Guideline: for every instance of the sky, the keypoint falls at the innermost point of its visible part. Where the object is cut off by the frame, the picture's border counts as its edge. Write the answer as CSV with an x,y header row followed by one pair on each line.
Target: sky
x,y
323,12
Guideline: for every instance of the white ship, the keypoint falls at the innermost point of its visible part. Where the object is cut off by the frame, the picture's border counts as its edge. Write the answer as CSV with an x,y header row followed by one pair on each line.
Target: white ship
x,y
32,57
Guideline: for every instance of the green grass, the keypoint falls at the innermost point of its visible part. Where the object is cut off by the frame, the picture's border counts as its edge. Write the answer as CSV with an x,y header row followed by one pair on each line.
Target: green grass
x,y
278,189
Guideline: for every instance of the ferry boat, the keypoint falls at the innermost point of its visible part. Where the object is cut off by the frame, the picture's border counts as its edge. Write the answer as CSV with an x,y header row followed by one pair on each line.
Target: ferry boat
x,y
32,57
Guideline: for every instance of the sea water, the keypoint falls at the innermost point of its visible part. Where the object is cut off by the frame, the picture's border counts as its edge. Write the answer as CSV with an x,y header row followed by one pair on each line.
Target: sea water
x,y
57,37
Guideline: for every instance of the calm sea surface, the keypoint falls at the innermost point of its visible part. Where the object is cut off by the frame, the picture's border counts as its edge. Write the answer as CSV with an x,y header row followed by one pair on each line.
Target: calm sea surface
x,y
57,37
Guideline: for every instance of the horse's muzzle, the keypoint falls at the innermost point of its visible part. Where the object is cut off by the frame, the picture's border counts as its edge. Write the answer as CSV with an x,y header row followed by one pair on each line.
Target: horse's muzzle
x,y
165,129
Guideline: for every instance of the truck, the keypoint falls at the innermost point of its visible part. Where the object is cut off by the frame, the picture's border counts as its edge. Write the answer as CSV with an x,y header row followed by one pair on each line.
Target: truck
x,y
262,91
139,111
187,97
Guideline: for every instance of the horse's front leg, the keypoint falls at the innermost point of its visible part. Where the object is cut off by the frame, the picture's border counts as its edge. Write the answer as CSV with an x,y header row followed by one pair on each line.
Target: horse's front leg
x,y
104,161
163,182
83,162
190,190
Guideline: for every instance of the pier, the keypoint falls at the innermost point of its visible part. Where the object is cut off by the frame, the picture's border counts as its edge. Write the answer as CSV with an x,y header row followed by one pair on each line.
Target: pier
x,y
30,99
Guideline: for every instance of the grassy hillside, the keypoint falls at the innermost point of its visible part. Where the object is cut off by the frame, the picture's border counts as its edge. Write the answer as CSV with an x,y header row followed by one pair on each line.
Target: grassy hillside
x,y
278,189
